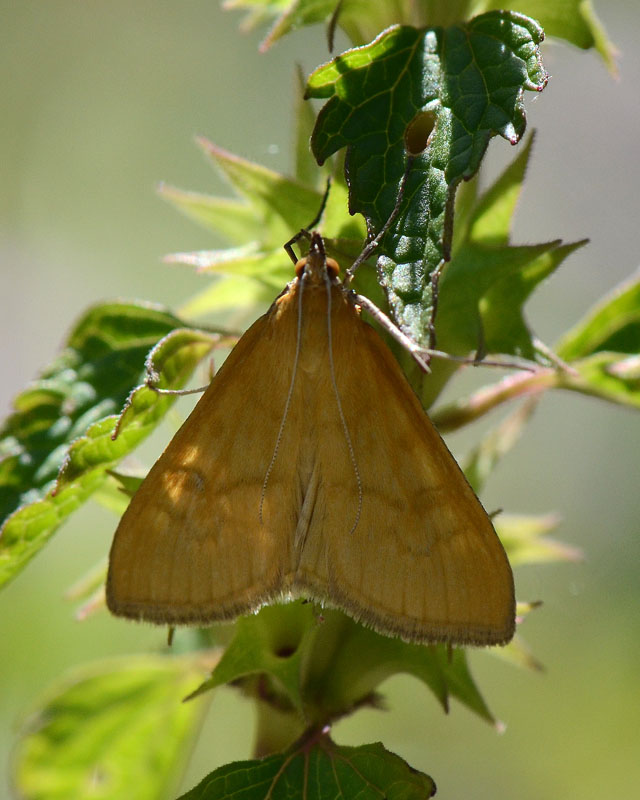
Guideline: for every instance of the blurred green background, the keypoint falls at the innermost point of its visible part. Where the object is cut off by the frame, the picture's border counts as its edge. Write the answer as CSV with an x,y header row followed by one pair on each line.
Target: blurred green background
x,y
101,101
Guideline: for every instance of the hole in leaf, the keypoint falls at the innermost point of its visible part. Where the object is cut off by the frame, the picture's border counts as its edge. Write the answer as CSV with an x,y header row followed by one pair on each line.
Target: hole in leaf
x,y
419,132
286,651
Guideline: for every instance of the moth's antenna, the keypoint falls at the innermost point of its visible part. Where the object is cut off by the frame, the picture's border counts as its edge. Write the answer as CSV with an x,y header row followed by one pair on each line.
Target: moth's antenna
x,y
333,23
343,421
305,232
288,402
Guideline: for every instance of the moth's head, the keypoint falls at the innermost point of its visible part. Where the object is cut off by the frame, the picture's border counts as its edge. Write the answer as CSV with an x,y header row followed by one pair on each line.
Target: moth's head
x,y
316,265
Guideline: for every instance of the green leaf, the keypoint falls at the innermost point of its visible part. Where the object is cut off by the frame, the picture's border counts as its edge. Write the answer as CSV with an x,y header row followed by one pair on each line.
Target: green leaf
x,y
229,292
58,443
318,768
572,20
466,83
603,347
525,539
613,325
282,204
481,461
503,326
273,268
609,376
236,220
360,19
484,288
324,664
306,170
258,11
519,654
275,208
269,643
112,730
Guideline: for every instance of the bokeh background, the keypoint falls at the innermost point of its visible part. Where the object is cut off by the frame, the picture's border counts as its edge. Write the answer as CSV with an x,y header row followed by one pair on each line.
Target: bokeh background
x,y
100,101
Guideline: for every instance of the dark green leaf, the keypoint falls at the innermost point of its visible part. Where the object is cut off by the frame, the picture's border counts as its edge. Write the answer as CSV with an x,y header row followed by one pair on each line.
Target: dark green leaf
x,y
572,20
467,83
320,769
58,442
323,663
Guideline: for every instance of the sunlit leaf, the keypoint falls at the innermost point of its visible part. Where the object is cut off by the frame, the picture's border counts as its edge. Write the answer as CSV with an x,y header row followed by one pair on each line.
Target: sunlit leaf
x,y
111,730
526,540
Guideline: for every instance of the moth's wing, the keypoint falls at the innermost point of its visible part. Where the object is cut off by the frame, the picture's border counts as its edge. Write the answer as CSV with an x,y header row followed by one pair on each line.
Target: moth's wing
x,y
423,560
191,547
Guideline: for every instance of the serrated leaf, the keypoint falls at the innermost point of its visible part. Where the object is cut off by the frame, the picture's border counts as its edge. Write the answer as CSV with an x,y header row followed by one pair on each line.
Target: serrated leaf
x,y
111,730
87,584
350,661
603,347
271,268
276,207
318,768
269,643
526,541
258,11
58,443
519,654
613,325
323,663
229,292
231,218
485,286
609,376
572,20
504,328
483,458
469,79
282,204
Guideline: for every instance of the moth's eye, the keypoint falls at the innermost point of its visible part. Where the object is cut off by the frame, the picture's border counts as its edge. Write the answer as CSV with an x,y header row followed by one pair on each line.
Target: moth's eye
x,y
333,268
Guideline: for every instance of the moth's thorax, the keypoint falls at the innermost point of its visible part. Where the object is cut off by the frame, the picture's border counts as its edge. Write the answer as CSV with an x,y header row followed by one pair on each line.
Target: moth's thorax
x,y
322,306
